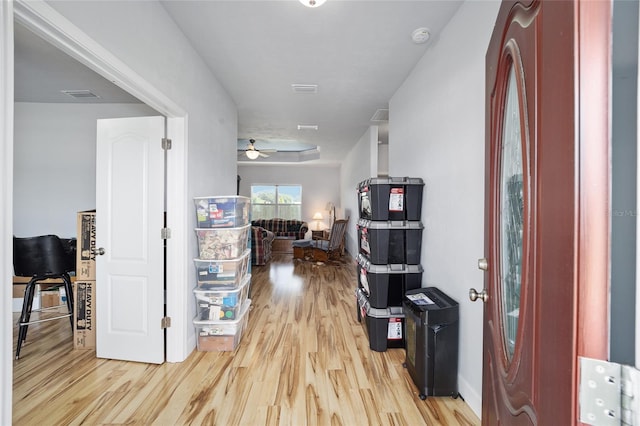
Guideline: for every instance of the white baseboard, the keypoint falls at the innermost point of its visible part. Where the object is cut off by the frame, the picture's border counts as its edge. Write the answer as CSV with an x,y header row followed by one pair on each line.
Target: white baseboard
x,y
471,396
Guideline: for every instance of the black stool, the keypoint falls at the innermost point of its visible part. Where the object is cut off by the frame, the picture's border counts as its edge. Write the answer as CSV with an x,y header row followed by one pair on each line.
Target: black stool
x,y
41,258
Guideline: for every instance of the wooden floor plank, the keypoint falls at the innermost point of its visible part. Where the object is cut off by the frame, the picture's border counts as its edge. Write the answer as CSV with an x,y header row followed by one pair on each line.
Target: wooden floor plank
x,y
304,359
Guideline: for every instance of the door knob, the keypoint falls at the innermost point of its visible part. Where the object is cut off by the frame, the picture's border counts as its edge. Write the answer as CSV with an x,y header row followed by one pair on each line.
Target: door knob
x,y
474,295
100,251
483,264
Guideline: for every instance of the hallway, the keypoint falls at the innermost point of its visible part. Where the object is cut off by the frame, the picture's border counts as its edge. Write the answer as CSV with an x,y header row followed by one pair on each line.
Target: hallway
x,y
303,360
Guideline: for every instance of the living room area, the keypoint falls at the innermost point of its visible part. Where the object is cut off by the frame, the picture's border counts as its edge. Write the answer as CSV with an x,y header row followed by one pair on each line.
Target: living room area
x,y
318,186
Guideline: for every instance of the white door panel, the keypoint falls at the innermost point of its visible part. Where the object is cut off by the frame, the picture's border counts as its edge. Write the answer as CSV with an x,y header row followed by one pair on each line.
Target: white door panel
x,y
130,215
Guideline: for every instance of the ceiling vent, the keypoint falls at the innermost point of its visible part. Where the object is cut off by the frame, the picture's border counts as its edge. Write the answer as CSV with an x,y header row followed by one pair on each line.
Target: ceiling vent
x,y
81,94
381,115
305,88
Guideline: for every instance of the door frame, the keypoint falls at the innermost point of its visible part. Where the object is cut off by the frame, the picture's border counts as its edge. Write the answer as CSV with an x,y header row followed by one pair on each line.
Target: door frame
x,y
6,203
637,347
47,23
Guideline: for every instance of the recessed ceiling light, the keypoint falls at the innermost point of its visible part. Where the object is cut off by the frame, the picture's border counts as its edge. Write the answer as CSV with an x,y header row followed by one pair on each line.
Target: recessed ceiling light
x,y
313,3
420,35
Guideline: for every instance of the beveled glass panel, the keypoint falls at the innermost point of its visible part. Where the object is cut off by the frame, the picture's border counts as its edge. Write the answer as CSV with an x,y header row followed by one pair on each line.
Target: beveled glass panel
x,y
511,223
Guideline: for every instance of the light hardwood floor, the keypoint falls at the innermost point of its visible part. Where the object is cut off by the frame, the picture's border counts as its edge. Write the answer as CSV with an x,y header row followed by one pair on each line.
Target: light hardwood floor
x,y
304,359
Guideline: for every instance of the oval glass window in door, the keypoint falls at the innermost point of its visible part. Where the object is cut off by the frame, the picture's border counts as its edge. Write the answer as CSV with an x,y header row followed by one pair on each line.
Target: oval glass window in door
x,y
511,220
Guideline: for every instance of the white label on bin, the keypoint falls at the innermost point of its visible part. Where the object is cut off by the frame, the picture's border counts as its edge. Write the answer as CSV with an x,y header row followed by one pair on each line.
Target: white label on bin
x,y
364,241
396,200
216,300
214,213
364,281
395,329
420,299
214,312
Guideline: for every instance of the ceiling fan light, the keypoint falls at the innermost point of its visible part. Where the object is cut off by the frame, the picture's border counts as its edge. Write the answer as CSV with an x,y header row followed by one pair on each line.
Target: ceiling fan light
x,y
313,3
252,154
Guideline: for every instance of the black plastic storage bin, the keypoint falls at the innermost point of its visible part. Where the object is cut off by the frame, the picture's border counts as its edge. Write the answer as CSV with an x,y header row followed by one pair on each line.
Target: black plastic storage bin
x,y
390,241
385,285
385,327
431,328
392,198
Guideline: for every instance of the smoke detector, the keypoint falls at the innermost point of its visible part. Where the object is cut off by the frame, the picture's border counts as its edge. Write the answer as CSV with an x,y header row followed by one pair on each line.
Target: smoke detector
x,y
420,35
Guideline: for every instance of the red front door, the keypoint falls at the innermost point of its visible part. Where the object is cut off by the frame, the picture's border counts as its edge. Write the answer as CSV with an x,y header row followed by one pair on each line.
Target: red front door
x,y
547,211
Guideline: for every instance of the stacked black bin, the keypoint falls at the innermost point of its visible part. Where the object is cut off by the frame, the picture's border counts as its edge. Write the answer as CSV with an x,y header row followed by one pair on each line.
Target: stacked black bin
x,y
388,262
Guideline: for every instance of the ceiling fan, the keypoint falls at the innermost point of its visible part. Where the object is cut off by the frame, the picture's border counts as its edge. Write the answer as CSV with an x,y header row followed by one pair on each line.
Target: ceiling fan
x,y
253,153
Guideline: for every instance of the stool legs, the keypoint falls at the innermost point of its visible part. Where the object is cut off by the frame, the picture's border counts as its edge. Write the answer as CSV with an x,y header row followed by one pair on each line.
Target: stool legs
x,y
25,316
27,304
69,290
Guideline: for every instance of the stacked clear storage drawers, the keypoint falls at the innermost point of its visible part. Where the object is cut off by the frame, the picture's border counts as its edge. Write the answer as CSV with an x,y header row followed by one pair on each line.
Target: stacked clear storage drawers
x,y
388,262
222,271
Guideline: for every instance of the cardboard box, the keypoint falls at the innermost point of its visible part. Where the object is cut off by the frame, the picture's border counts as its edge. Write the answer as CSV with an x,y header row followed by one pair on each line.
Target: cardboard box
x,y
50,298
54,297
84,315
18,298
86,251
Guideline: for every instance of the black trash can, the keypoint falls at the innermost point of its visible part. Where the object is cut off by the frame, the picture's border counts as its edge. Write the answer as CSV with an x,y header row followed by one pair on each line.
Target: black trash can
x,y
431,333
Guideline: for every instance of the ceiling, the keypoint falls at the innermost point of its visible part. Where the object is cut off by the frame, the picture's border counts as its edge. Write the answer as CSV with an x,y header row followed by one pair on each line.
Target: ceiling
x,y
358,53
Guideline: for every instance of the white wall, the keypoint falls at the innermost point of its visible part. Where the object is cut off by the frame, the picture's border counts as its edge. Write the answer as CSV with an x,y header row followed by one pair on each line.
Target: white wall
x,y
142,35
55,163
356,167
437,115
320,185
383,159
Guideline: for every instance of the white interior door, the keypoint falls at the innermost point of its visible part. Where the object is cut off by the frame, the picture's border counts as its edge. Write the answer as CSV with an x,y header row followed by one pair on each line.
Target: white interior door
x,y
129,218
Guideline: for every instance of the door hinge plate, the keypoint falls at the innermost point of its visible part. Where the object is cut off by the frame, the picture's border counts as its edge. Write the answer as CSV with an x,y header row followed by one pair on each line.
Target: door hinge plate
x,y
166,144
165,233
609,393
165,322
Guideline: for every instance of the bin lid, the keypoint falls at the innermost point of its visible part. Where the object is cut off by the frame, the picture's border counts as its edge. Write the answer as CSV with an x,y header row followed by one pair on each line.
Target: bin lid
x,y
390,181
391,268
223,198
388,312
390,224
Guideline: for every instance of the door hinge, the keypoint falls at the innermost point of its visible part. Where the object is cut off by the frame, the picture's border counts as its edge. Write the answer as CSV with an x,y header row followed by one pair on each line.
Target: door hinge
x,y
609,393
165,233
166,144
165,322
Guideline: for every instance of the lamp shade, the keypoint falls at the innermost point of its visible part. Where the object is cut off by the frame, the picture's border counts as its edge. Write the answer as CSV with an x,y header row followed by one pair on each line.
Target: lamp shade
x,y
317,216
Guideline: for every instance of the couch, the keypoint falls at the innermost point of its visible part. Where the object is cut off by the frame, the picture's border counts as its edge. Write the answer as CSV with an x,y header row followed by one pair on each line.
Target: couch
x,y
283,228
261,240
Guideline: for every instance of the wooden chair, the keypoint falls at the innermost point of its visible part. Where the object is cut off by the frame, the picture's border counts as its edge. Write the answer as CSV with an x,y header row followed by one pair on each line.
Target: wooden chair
x,y
41,258
332,247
